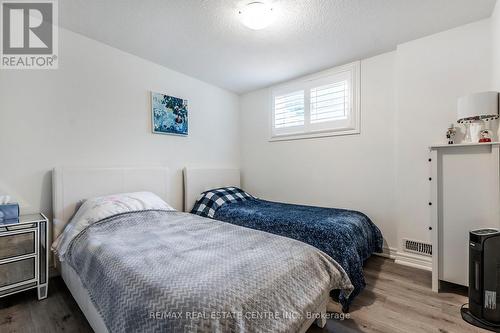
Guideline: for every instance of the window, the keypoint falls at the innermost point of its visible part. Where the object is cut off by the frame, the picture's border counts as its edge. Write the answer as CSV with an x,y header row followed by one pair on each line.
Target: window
x,y
289,110
323,104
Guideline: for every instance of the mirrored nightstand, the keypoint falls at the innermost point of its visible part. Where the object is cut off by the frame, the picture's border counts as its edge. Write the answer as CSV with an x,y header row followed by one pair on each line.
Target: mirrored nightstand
x,y
24,255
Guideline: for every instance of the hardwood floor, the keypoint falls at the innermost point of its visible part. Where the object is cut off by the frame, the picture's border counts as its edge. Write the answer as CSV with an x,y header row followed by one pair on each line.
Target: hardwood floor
x,y
22,312
399,299
396,299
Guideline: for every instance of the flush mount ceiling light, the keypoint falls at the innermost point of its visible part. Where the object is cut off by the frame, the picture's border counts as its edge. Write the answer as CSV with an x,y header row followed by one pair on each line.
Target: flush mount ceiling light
x,y
256,15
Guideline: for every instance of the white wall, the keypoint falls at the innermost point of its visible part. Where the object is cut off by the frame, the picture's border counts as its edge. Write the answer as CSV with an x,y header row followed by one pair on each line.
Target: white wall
x,y
355,171
432,73
95,111
408,99
495,35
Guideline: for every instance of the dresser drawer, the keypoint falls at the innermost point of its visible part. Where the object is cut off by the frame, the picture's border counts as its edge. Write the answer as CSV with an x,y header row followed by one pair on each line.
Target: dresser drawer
x,y
24,254
17,271
18,244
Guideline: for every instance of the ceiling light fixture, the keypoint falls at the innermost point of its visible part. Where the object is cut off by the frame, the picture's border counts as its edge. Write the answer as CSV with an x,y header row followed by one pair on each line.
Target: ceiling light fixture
x,y
256,15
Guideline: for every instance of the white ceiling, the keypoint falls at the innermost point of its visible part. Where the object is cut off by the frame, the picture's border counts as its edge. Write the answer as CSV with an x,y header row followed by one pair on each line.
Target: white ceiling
x,y
205,39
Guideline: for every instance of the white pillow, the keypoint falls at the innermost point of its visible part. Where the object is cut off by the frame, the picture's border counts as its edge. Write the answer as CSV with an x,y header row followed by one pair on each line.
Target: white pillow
x,y
97,209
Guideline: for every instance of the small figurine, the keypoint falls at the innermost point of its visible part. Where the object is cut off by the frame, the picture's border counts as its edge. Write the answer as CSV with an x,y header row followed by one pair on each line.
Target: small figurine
x,y
485,136
450,134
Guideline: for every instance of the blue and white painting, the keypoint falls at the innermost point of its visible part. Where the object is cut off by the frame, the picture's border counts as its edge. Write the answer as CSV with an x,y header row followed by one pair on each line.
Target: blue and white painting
x,y
170,114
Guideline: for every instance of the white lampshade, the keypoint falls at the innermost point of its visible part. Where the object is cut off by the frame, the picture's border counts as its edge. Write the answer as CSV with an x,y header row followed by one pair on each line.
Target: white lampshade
x,y
479,106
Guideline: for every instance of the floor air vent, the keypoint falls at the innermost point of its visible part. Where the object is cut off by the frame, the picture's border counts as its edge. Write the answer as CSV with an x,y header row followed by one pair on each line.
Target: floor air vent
x,y
417,247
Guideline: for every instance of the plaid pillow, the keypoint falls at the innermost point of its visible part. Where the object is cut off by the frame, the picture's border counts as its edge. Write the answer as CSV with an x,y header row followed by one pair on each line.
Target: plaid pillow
x,y
211,200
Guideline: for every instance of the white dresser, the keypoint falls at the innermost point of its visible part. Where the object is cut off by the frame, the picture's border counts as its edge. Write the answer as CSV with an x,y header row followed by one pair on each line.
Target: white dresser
x,y
465,195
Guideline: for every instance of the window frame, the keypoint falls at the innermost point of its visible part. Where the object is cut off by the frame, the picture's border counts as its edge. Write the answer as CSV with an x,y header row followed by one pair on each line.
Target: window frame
x,y
325,129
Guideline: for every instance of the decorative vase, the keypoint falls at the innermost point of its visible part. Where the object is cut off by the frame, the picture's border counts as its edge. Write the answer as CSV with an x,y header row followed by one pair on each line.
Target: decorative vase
x,y
474,132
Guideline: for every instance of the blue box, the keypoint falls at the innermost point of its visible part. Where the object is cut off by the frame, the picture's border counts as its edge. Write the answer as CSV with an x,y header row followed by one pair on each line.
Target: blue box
x,y
9,211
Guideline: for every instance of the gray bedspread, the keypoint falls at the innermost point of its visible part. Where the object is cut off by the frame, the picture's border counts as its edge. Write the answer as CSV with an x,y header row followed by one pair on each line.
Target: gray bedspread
x,y
158,271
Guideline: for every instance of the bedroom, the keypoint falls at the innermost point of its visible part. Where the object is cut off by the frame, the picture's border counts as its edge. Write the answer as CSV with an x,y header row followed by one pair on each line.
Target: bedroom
x,y
182,97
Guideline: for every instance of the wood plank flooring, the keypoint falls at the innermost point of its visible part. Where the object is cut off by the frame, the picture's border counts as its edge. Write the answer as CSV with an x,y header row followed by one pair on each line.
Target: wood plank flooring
x,y
396,299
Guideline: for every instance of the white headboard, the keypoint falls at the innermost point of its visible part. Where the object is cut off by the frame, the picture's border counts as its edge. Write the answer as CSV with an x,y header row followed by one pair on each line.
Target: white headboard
x,y
200,180
70,185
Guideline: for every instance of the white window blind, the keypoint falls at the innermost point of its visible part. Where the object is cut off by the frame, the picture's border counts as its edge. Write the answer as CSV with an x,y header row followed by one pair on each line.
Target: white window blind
x,y
323,104
289,110
330,102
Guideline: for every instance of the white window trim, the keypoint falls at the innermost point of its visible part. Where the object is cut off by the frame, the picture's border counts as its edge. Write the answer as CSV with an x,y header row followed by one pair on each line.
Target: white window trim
x,y
295,133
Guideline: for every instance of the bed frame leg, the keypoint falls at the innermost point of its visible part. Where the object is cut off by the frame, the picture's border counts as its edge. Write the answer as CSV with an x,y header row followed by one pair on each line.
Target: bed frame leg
x,y
321,321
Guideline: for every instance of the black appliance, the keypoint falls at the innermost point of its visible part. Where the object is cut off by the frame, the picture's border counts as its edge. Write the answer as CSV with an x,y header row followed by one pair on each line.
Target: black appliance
x,y
484,280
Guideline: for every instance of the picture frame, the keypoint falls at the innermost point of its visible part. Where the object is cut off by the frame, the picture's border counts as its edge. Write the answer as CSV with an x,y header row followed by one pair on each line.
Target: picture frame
x,y
169,115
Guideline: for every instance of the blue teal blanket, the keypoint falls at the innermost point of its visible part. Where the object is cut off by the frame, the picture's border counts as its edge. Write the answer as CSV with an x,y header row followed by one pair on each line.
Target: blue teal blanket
x,y
349,237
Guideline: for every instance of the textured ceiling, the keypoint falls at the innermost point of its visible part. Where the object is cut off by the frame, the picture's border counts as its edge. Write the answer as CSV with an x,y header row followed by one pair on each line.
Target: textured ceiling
x,y
205,39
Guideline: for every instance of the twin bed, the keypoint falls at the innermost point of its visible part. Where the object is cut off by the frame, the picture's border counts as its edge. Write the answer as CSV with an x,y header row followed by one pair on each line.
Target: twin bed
x,y
349,237
134,264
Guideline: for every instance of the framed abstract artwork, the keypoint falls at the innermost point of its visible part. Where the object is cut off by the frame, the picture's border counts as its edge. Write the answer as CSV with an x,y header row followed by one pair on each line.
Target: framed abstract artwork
x,y
169,114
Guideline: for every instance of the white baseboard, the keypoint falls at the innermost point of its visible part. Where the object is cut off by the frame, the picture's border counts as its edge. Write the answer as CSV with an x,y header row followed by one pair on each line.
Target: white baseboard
x,y
407,259
387,253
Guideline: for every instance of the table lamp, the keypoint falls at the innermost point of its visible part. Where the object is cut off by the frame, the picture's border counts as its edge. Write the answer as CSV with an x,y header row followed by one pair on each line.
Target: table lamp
x,y
474,109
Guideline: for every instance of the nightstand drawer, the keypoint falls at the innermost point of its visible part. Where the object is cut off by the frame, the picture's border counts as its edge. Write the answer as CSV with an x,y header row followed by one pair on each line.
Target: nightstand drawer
x,y
17,244
17,271
24,253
